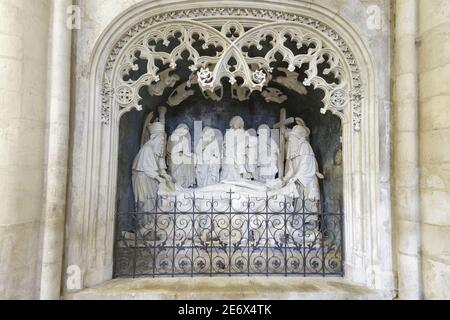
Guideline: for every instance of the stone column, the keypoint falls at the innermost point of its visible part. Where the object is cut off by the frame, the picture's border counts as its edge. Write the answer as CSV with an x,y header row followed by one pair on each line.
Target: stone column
x,y
57,150
24,29
406,151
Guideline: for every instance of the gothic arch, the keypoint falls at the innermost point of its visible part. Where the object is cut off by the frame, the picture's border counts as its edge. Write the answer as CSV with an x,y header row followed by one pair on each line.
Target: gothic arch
x,y
327,44
255,71
367,241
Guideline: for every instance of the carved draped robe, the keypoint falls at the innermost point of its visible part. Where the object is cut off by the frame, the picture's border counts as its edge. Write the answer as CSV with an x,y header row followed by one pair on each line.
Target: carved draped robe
x,y
267,158
251,157
208,165
234,155
181,164
301,165
147,166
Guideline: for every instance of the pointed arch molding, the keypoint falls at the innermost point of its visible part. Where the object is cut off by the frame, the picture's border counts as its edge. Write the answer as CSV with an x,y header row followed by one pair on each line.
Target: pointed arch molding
x,y
328,46
367,221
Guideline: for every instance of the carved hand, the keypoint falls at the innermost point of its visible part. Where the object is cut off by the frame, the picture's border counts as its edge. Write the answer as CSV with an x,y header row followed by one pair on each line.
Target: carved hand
x,y
167,177
160,179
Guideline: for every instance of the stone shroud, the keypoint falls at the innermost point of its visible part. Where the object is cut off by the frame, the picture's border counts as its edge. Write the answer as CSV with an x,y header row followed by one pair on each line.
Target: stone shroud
x,y
368,244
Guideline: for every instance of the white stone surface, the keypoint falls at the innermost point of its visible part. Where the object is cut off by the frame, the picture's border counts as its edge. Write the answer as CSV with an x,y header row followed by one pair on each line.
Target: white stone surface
x,y
406,150
208,158
57,148
252,288
434,23
24,29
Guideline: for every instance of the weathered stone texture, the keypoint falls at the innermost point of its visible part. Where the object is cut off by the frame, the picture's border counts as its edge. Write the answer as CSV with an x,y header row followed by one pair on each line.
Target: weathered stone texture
x,y
23,65
434,26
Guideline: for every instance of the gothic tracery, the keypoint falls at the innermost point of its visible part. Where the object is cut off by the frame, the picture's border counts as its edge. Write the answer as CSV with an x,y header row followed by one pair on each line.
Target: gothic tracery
x,y
214,55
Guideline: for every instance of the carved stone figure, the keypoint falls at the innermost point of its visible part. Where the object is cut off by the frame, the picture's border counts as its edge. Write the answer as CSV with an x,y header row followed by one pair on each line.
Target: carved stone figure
x,y
162,110
233,164
251,154
268,153
208,159
182,91
166,80
274,95
149,169
301,164
145,136
291,81
180,158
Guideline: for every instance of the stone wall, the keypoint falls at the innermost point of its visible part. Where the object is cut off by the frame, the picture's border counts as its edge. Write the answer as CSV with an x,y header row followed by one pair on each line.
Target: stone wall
x,y
24,29
434,119
406,151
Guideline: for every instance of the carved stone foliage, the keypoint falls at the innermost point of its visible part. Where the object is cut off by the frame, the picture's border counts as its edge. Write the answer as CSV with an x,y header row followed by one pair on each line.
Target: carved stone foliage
x,y
154,52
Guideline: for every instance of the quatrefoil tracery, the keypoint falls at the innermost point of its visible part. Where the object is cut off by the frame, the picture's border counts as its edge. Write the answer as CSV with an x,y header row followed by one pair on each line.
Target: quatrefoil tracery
x,y
244,57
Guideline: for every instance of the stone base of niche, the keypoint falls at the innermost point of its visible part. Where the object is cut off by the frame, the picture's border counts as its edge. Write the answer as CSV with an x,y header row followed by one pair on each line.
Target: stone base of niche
x,y
251,288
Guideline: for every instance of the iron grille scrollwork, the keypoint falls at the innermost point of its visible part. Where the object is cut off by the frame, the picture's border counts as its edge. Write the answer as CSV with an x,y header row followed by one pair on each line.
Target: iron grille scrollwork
x,y
236,237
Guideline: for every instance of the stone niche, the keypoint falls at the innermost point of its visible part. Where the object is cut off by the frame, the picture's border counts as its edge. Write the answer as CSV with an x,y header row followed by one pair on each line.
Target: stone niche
x,y
258,84
345,118
256,109
325,129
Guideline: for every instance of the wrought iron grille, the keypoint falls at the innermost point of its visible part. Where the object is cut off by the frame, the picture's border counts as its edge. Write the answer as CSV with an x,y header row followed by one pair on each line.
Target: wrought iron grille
x,y
233,237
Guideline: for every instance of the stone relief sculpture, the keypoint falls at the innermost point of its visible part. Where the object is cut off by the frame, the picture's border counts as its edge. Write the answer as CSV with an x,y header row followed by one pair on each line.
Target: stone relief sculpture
x,y
145,136
208,159
290,81
149,169
233,164
274,95
268,152
251,154
342,97
247,165
180,157
301,165
182,92
166,81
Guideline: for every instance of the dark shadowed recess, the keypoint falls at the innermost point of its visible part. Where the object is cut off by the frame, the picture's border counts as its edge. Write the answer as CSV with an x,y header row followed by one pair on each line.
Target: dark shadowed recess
x,y
325,129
